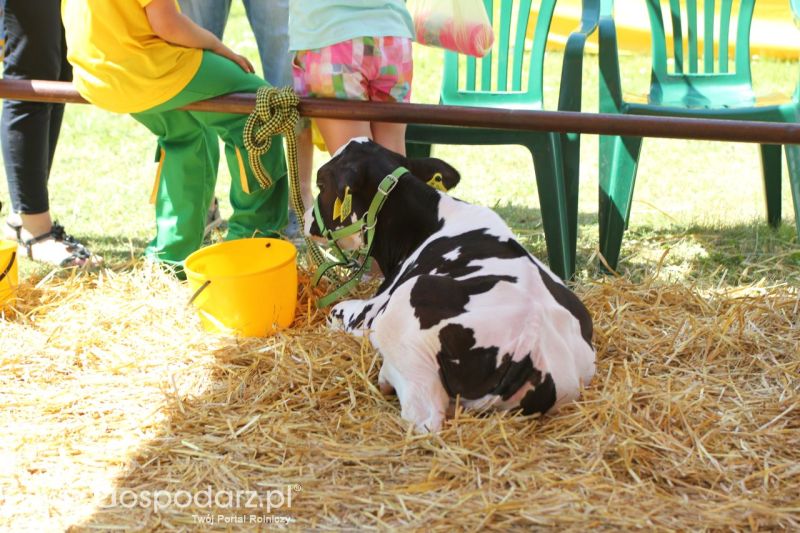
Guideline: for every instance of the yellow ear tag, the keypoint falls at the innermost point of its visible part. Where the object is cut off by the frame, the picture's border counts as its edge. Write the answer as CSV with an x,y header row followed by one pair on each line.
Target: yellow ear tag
x,y
337,209
342,208
347,204
437,183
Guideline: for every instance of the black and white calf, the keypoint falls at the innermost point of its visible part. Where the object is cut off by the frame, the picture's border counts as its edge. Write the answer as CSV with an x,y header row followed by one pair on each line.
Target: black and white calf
x,y
464,309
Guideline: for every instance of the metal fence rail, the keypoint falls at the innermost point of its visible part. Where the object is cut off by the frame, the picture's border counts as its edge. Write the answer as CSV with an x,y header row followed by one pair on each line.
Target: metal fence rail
x,y
557,121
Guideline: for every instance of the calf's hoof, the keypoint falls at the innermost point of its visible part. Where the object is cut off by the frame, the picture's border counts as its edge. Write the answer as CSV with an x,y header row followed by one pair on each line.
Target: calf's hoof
x,y
426,418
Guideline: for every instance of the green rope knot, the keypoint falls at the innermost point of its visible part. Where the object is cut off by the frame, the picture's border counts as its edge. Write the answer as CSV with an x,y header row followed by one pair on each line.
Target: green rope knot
x,y
275,112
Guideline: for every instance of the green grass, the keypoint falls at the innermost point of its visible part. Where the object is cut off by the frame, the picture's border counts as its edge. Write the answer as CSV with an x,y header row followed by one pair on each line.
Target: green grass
x,y
701,203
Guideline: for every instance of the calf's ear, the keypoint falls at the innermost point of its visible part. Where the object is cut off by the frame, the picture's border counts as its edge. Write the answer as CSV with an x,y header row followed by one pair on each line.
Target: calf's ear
x,y
435,172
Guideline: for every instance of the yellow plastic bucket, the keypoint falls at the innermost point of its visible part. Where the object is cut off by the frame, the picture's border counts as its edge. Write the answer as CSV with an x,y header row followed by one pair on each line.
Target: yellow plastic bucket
x,y
9,275
245,287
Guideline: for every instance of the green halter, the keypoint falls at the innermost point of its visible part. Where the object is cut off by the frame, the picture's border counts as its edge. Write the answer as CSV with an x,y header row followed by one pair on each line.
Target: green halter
x,y
357,261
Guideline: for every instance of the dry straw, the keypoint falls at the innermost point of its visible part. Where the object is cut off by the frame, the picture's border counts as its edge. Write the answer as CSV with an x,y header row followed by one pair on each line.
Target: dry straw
x,y
112,390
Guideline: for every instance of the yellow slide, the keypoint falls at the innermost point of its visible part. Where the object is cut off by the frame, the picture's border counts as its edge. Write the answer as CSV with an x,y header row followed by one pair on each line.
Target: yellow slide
x,y
773,32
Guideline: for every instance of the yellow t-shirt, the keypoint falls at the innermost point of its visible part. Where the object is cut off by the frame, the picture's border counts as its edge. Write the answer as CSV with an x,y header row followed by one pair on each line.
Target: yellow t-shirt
x,y
118,62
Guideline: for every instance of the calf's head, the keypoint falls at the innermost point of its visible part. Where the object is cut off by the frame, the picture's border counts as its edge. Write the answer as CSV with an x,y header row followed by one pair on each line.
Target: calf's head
x,y
350,180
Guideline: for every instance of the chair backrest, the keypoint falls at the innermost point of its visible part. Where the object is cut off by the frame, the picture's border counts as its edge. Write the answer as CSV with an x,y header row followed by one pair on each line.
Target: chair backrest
x,y
497,79
719,20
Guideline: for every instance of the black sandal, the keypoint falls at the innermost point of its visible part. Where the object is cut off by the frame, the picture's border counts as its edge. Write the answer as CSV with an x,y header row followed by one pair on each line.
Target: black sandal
x,y
79,255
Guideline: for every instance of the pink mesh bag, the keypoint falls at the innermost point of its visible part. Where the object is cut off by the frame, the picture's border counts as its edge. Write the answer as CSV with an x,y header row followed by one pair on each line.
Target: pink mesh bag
x,y
458,25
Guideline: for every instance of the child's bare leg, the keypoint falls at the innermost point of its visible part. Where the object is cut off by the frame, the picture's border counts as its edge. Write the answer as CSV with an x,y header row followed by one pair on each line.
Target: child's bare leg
x,y
338,132
305,165
390,135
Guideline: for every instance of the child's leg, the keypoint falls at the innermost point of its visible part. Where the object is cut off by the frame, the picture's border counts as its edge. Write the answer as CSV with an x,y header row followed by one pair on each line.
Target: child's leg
x,y
390,135
392,72
305,163
256,211
213,16
269,20
337,132
185,185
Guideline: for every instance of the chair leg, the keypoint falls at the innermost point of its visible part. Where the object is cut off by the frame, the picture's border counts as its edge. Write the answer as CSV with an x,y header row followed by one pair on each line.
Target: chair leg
x,y
793,160
571,152
553,203
771,167
417,150
619,159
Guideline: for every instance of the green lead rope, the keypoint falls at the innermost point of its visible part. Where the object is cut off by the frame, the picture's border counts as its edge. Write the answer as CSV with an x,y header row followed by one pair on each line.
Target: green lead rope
x,y
276,112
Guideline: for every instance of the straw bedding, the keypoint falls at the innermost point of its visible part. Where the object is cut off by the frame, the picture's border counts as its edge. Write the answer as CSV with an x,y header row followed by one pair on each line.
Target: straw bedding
x,y
110,385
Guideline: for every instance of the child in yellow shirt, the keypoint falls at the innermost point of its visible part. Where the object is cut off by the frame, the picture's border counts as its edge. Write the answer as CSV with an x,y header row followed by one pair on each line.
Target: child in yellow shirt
x,y
145,58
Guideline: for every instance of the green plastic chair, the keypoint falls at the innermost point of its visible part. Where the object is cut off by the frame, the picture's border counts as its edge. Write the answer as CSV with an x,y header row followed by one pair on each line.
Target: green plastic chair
x,y
496,80
706,88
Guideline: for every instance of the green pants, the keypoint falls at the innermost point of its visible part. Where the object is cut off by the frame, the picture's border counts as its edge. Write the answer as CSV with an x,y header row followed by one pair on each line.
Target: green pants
x,y
189,156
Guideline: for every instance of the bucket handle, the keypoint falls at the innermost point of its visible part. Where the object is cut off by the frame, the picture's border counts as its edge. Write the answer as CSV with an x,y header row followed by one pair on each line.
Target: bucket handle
x,y
196,293
8,266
